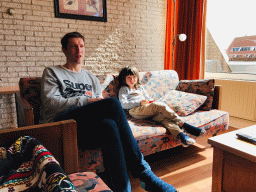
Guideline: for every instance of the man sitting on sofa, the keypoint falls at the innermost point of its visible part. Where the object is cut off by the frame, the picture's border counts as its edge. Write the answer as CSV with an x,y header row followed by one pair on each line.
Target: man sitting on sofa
x,y
70,92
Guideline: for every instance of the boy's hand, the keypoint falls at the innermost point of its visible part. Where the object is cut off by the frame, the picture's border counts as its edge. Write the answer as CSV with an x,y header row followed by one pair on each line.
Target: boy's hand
x,y
144,102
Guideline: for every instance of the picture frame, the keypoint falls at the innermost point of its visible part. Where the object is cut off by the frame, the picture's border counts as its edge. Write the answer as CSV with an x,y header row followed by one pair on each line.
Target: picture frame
x,y
93,10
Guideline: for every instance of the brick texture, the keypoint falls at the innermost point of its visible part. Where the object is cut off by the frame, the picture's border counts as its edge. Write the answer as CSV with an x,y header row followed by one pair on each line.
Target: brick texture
x,y
134,34
213,52
7,111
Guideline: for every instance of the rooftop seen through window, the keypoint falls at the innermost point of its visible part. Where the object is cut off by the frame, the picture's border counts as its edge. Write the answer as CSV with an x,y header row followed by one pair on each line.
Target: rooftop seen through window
x,y
231,42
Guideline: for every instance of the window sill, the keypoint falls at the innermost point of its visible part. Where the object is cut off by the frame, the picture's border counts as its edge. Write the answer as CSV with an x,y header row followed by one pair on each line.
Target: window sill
x,y
231,76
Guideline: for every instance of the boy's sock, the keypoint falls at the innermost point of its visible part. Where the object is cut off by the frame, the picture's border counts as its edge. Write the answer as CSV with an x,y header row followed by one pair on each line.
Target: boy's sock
x,y
150,182
193,130
186,140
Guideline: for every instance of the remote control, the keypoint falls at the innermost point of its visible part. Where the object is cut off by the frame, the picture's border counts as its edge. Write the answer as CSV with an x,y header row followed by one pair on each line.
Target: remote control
x,y
250,137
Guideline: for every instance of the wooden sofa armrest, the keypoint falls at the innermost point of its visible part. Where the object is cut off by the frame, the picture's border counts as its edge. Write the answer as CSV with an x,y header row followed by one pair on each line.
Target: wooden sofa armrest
x,y
216,97
60,138
25,114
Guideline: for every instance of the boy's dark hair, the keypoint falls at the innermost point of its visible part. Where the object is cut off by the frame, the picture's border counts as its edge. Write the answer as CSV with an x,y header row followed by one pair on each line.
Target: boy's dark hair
x,y
64,40
124,73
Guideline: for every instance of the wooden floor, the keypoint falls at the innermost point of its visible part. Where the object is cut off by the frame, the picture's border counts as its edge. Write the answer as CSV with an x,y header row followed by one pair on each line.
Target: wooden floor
x,y
187,169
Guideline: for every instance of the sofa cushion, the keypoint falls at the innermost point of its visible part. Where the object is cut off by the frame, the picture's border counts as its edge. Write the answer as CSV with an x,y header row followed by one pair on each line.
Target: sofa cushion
x,y
90,160
88,181
109,85
144,129
153,137
157,83
183,103
201,87
200,118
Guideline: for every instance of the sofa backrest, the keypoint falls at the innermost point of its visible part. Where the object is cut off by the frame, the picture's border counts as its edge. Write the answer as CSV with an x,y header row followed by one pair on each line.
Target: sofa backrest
x,y
157,83
109,85
30,89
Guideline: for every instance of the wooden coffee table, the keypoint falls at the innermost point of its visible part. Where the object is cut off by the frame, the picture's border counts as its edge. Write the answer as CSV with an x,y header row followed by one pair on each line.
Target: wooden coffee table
x,y
234,163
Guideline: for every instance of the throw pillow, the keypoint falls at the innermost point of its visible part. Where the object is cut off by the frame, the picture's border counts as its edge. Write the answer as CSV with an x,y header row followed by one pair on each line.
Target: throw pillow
x,y
201,87
181,102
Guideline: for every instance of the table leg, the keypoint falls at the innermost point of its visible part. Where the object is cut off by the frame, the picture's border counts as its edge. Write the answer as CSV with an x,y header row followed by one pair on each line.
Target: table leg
x,y
217,170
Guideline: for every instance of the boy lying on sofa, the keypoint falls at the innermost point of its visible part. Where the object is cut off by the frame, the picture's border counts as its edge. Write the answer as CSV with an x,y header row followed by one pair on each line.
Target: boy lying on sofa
x,y
134,98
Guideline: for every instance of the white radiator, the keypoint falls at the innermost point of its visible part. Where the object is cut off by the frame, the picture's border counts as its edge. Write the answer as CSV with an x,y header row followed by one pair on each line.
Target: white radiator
x,y
238,98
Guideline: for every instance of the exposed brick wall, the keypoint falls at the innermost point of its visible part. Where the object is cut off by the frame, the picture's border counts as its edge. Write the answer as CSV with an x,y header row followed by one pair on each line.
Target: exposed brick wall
x,y
7,111
213,52
30,39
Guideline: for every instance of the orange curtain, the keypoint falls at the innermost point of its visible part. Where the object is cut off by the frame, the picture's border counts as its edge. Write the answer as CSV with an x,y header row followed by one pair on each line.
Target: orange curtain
x,y
169,34
203,43
189,20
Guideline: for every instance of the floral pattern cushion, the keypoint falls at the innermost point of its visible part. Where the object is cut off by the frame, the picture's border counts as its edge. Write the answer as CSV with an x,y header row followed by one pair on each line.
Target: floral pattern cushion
x,y
109,85
201,87
90,160
88,182
181,102
150,144
158,83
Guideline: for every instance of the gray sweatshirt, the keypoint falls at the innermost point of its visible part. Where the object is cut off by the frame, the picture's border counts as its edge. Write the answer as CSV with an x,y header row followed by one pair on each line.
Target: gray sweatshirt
x,y
62,89
131,98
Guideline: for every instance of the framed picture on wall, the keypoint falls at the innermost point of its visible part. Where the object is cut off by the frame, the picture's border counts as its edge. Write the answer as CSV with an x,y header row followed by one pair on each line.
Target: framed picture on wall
x,y
94,10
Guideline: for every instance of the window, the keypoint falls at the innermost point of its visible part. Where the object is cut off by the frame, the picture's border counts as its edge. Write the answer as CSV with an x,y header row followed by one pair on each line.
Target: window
x,y
229,41
245,49
236,49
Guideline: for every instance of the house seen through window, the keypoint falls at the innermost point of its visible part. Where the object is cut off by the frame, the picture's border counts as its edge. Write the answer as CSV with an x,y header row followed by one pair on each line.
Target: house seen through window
x,y
231,41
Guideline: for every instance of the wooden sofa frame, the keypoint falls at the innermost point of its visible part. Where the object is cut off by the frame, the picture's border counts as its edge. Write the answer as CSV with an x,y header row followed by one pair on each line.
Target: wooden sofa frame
x,y
60,138
26,116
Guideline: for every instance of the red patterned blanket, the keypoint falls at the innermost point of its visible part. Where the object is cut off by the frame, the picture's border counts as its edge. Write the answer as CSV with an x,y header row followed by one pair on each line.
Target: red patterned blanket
x,y
28,166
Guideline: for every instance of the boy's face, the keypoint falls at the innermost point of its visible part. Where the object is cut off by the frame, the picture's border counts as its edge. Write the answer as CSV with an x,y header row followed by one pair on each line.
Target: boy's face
x,y
131,80
75,50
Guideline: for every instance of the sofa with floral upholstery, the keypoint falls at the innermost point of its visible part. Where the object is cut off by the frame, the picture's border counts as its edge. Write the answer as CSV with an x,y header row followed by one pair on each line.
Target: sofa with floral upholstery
x,y
196,101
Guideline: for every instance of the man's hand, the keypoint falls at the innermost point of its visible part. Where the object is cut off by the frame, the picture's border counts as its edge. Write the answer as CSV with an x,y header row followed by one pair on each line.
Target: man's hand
x,y
94,99
144,102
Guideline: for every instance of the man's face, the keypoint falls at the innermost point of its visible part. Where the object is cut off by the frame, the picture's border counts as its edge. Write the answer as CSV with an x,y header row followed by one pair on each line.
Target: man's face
x,y
75,50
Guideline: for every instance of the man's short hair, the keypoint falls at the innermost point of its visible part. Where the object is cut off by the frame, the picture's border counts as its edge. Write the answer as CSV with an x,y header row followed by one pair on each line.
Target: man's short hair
x,y
64,40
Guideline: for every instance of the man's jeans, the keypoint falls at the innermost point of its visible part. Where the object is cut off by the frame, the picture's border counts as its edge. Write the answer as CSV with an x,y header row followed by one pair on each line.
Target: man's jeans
x,y
103,124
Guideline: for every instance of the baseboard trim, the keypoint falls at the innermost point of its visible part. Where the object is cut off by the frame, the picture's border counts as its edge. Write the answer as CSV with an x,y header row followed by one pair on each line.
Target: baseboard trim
x,y
239,123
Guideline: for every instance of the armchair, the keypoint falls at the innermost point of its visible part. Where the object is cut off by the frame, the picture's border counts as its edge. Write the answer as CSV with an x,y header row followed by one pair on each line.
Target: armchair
x,y
60,138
